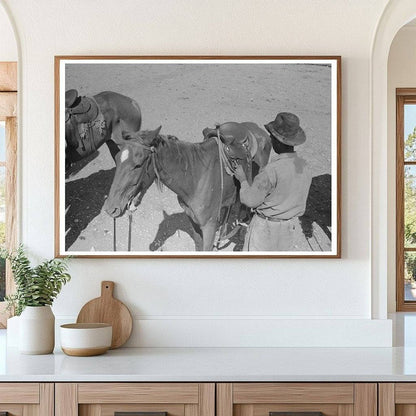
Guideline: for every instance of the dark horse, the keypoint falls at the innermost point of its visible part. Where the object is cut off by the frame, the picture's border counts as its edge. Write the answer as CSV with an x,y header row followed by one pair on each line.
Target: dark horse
x,y
191,170
92,121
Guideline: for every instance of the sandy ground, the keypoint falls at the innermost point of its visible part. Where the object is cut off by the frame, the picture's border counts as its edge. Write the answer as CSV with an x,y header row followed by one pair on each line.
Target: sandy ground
x,y
185,99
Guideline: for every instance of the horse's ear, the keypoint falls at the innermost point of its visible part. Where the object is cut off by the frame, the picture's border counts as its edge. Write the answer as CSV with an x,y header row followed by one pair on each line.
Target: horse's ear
x,y
128,135
151,135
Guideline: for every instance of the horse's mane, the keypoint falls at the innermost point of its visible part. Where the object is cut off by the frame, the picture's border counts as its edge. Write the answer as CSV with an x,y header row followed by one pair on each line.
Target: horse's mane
x,y
187,152
165,139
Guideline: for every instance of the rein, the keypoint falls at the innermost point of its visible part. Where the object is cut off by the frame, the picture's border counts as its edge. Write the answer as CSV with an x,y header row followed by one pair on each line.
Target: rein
x,y
221,157
229,165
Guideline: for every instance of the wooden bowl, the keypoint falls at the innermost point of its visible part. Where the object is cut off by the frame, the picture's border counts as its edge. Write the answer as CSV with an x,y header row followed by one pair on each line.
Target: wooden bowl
x,y
84,340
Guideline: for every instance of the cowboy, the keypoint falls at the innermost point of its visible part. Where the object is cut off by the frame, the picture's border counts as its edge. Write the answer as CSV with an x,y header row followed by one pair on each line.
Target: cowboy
x,y
279,192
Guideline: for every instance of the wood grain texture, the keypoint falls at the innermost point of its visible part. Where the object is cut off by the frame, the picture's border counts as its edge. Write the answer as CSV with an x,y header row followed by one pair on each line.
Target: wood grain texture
x,y
11,204
224,399
8,76
138,393
107,309
90,410
246,410
403,96
400,304
84,352
405,91
345,410
8,105
11,195
405,393
264,409
27,393
171,409
57,161
365,399
13,409
207,399
405,410
66,399
31,410
386,399
191,410
59,58
47,399
252,393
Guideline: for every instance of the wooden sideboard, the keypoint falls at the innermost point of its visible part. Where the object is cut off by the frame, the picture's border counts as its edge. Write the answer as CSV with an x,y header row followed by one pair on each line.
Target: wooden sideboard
x,y
208,399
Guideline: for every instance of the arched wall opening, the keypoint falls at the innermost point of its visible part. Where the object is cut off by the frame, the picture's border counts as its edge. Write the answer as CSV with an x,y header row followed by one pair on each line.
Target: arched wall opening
x,y
401,73
397,14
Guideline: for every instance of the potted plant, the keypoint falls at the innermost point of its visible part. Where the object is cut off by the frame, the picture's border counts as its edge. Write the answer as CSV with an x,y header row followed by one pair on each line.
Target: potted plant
x,y
36,289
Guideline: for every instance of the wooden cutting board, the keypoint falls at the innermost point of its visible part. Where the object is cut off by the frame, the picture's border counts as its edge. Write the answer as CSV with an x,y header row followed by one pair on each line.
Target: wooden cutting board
x,y
107,309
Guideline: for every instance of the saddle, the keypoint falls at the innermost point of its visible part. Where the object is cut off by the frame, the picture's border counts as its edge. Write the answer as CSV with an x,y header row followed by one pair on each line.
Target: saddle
x,y
237,137
238,144
85,125
82,109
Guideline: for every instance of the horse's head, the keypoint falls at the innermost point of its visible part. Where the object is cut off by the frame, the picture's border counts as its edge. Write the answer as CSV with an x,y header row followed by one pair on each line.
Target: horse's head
x,y
134,172
240,145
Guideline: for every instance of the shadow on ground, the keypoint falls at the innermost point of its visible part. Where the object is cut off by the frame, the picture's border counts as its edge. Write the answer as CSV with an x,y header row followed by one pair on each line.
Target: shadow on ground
x,y
318,210
84,199
318,206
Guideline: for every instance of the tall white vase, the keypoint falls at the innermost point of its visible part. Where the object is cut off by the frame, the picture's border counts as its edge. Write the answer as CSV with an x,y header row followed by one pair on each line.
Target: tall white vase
x,y
37,330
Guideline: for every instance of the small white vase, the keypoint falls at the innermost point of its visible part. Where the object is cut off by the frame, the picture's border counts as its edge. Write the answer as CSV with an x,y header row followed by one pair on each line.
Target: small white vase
x,y
37,330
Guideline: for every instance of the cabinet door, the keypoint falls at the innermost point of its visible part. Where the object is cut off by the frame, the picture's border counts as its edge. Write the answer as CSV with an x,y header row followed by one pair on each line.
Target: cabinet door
x,y
144,399
297,399
397,399
26,399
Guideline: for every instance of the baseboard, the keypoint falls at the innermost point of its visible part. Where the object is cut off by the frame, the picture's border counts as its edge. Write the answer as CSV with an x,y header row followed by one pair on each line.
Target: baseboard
x,y
165,332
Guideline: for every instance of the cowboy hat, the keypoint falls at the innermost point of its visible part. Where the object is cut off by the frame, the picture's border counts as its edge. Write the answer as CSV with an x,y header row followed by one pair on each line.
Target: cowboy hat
x,y
286,129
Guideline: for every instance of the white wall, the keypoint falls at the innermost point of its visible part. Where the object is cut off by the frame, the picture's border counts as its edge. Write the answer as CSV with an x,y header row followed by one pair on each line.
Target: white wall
x,y
182,300
401,74
8,47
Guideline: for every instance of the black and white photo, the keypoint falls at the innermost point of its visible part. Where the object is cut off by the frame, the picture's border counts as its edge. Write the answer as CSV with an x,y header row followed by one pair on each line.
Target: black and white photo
x,y
198,157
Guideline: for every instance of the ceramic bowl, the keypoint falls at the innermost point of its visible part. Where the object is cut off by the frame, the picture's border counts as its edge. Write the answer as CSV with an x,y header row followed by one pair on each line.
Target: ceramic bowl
x,y
83,340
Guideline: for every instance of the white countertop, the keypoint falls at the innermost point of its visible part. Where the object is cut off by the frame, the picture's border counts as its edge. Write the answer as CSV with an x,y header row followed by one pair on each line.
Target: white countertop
x,y
213,364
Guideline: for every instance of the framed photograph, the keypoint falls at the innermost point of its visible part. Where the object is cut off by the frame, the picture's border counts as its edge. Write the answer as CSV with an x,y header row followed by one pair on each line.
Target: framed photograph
x,y
198,156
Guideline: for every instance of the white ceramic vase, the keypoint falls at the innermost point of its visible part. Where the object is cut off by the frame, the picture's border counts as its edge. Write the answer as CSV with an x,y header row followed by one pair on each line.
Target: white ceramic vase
x,y
37,330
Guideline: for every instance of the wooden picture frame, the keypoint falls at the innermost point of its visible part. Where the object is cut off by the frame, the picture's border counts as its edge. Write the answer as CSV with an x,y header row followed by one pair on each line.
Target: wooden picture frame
x,y
187,94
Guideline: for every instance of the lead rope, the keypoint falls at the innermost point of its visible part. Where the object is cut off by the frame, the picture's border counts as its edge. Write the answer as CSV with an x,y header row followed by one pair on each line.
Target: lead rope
x,y
129,237
114,234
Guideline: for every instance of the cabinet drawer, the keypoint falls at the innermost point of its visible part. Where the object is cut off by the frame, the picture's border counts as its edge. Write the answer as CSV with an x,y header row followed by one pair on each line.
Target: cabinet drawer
x,y
108,399
296,399
21,399
397,399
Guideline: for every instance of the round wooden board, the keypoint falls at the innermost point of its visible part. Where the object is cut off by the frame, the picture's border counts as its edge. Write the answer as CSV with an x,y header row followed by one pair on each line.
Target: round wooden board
x,y
107,309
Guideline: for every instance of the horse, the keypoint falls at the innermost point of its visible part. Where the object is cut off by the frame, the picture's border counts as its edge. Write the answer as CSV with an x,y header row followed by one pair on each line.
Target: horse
x,y
92,121
195,172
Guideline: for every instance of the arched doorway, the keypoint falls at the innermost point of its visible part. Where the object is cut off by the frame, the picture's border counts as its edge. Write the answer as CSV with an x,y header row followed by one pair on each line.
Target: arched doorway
x,y
396,14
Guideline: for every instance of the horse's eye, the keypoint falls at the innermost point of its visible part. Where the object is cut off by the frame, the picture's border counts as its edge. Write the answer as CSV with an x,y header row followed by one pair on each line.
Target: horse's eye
x,y
138,166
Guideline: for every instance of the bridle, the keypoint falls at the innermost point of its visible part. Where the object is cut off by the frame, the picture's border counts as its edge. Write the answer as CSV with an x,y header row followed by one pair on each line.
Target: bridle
x,y
152,150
